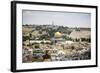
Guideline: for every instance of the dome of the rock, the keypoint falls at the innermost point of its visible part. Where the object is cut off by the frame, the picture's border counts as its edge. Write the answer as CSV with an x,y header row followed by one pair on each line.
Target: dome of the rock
x,y
58,34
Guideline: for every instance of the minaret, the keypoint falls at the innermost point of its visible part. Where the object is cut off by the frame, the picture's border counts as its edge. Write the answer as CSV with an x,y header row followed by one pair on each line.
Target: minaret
x,y
52,22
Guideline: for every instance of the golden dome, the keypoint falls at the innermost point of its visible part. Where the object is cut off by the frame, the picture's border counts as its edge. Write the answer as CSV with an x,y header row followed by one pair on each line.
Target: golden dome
x,y
58,34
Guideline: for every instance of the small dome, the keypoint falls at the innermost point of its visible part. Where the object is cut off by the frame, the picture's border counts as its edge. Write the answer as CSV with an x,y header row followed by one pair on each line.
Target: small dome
x,y
58,34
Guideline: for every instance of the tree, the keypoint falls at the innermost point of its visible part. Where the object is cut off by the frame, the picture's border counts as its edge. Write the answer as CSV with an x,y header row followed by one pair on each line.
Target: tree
x,y
25,38
36,46
83,39
42,42
77,40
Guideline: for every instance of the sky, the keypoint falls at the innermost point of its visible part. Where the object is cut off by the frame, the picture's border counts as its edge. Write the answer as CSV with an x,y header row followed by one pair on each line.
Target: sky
x,y
70,19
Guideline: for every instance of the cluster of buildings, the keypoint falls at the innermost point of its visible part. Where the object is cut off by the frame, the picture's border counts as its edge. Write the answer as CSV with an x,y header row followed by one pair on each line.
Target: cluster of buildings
x,y
60,49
